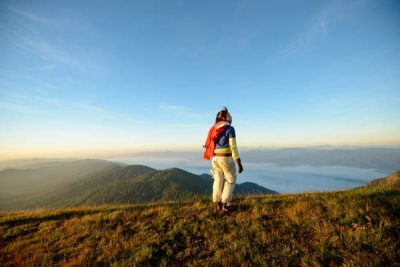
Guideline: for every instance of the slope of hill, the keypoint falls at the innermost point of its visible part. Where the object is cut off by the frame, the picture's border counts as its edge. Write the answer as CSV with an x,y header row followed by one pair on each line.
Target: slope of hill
x,y
92,182
352,228
392,180
24,185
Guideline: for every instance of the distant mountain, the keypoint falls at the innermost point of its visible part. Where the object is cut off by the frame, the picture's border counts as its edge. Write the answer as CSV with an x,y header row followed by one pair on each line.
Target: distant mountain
x,y
96,182
387,159
246,188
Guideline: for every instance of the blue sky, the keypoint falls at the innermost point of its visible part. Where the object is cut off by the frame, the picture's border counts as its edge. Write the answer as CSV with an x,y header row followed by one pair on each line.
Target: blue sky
x,y
97,76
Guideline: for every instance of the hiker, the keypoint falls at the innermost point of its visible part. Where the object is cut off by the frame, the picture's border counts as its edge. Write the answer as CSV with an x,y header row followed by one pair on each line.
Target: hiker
x,y
221,145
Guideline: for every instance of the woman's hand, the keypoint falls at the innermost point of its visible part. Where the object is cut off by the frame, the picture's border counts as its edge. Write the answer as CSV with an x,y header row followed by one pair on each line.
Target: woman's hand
x,y
239,164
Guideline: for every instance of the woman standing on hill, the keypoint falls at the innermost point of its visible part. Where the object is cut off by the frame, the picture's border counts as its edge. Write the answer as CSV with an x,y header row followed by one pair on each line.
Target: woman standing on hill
x,y
221,143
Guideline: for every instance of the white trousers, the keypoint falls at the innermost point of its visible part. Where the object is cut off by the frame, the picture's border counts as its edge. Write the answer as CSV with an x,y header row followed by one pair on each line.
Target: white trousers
x,y
224,173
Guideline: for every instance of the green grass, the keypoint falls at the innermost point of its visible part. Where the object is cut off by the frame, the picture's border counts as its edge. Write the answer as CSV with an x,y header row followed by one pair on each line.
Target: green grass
x,y
351,228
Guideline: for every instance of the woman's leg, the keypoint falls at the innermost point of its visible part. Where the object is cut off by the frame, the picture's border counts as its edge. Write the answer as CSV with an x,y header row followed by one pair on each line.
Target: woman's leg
x,y
218,175
230,179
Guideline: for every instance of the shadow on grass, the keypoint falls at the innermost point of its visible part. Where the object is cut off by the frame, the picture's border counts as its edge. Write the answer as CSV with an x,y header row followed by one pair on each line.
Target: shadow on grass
x,y
240,207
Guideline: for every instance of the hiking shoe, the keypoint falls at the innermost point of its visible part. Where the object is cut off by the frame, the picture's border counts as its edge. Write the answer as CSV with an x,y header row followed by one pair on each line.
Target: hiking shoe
x,y
225,208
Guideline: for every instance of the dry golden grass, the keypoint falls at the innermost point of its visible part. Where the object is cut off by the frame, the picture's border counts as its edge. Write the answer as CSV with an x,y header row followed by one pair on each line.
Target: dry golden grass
x,y
350,228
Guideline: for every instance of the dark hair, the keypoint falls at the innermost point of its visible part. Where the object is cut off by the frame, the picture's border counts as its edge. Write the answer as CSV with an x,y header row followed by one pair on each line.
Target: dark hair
x,y
221,116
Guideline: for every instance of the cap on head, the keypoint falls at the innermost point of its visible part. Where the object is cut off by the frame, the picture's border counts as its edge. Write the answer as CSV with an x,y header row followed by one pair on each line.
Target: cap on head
x,y
224,108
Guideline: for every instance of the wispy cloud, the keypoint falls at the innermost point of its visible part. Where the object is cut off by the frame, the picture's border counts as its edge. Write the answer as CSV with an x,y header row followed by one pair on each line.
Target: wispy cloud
x,y
235,42
15,107
18,95
180,111
305,42
49,100
172,108
27,32
49,52
346,105
46,67
24,101
94,110
89,108
35,18
59,23
55,56
320,24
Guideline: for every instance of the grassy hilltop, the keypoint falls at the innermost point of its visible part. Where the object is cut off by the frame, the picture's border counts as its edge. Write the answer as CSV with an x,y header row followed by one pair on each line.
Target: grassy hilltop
x,y
353,228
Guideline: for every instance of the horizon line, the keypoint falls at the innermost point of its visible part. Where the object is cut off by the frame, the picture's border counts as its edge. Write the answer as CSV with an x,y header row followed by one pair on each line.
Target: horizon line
x,y
114,153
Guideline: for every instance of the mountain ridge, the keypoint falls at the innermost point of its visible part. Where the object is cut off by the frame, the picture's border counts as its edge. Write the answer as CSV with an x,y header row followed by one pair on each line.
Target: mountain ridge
x,y
102,182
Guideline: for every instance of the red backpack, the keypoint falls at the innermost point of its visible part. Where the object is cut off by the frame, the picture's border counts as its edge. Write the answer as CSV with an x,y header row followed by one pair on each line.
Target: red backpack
x,y
213,134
